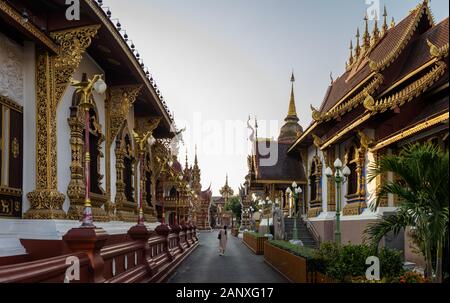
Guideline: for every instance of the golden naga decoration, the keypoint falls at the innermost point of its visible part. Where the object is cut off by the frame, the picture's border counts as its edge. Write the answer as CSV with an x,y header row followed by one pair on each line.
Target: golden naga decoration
x,y
53,74
365,141
436,52
369,102
315,113
317,141
373,65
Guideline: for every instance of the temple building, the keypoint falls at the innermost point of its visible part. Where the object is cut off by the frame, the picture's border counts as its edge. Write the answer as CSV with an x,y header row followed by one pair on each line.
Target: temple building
x,y
223,216
271,170
50,129
394,91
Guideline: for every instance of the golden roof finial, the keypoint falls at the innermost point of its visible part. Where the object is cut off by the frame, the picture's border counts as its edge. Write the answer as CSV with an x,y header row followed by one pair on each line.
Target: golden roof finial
x,y
358,47
385,26
392,22
350,60
366,35
376,31
292,110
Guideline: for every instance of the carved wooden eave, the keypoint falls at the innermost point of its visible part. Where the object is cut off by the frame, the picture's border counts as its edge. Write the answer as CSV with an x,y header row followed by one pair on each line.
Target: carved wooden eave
x,y
352,103
110,27
121,99
411,91
28,28
442,118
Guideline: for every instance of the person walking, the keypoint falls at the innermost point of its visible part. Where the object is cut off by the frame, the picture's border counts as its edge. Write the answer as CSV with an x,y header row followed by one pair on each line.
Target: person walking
x,y
222,240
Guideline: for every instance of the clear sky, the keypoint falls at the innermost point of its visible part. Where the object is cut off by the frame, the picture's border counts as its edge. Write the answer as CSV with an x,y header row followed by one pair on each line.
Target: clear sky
x,y
217,61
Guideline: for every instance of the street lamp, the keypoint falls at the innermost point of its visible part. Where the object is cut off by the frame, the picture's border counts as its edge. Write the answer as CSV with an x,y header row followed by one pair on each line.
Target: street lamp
x,y
339,176
295,192
85,87
264,204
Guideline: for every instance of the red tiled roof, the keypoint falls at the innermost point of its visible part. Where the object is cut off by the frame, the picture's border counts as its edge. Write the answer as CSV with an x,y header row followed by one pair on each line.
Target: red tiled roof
x,y
392,42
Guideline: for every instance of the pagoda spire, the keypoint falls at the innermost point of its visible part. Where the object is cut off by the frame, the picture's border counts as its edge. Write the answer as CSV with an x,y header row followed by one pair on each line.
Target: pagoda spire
x,y
385,26
292,110
366,35
376,31
195,159
350,60
358,47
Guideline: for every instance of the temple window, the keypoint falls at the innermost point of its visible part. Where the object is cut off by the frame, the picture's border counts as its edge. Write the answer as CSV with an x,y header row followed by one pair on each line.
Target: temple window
x,y
11,151
128,169
312,182
148,181
353,177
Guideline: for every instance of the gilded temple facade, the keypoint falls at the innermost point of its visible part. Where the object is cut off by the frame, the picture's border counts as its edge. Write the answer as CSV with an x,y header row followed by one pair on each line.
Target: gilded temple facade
x,y
42,127
394,91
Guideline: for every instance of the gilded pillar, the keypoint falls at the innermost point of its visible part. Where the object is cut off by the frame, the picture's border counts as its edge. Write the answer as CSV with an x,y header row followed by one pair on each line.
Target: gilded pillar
x,y
53,73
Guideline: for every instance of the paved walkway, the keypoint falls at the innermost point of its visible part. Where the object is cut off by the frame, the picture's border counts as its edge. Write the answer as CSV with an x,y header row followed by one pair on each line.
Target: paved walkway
x,y
238,265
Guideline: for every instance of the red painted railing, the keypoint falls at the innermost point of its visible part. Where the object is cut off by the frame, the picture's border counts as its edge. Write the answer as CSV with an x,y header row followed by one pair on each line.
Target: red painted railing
x,y
147,257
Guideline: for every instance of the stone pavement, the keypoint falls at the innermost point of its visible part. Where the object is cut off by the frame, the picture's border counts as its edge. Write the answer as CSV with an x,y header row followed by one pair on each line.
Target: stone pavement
x,y
238,265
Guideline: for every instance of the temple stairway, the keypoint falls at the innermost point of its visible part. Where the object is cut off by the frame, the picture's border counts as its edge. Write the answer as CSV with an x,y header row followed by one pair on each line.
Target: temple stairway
x,y
303,233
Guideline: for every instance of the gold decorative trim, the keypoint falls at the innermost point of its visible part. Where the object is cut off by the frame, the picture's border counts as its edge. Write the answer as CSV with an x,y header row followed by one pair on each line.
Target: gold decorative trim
x,y
345,107
11,103
15,148
53,74
345,130
28,27
411,91
119,104
411,131
354,209
111,28
314,212
9,191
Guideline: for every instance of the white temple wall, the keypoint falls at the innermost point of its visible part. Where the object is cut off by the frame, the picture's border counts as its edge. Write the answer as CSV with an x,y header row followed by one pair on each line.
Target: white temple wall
x,y
88,66
29,123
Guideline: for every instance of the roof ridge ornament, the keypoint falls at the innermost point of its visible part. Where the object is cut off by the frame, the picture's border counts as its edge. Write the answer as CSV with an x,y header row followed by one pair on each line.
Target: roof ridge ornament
x,y
315,113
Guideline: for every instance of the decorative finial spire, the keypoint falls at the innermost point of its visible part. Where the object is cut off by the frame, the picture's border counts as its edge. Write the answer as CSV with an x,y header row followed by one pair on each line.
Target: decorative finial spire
x,y
366,35
226,180
331,77
385,26
357,48
392,22
350,60
195,159
292,110
376,31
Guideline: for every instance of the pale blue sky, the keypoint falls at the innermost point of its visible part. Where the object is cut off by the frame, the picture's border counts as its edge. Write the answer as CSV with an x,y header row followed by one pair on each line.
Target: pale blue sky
x,y
226,59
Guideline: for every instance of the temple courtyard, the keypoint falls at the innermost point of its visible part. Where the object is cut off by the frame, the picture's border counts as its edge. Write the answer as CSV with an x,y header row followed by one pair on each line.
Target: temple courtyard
x,y
238,265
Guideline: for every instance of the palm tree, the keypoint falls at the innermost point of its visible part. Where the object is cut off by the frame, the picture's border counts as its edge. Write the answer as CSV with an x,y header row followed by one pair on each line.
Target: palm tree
x,y
422,191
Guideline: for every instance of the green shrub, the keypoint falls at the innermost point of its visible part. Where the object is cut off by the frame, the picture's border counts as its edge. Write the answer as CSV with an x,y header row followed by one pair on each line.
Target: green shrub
x,y
351,262
297,250
346,262
322,257
391,264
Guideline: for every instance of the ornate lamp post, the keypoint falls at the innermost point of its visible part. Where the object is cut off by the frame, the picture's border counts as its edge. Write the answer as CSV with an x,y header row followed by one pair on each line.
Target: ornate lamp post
x,y
265,204
340,176
85,88
294,194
